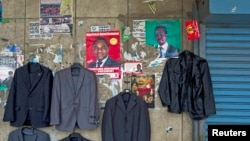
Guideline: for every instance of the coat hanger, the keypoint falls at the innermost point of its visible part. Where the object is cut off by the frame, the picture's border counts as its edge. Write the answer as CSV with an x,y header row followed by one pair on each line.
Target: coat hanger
x,y
76,66
77,135
75,69
126,90
28,130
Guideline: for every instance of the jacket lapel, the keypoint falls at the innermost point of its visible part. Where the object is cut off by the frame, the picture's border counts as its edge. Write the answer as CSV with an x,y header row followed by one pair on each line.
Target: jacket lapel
x,y
120,103
80,80
21,136
36,80
69,77
131,103
26,77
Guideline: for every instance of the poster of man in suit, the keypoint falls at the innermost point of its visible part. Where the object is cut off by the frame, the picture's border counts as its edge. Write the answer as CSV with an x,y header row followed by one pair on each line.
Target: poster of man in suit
x,y
103,53
8,64
165,36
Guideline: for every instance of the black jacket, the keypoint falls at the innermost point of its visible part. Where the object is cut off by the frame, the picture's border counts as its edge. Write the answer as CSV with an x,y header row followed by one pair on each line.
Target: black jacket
x,y
29,98
74,137
126,118
186,86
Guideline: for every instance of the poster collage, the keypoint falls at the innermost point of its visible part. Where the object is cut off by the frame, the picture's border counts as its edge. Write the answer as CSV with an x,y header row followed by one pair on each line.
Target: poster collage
x,y
103,46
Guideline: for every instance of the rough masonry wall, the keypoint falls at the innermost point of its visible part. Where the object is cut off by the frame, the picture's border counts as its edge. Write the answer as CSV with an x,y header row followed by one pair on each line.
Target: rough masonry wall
x,y
116,13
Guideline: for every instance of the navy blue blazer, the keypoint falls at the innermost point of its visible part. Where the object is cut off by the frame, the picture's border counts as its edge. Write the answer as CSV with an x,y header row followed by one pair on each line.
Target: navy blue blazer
x,y
29,98
28,134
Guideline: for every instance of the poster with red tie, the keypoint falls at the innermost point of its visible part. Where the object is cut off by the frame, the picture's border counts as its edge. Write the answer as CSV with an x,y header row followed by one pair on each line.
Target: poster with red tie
x,y
103,53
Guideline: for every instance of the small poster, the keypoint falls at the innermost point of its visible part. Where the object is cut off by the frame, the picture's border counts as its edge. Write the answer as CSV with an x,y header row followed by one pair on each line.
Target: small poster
x,y
165,36
133,67
55,16
143,85
103,53
35,32
8,64
192,29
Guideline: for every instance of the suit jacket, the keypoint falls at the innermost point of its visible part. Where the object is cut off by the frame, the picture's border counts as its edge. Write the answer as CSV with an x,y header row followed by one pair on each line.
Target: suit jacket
x,y
74,137
126,118
74,100
33,135
186,86
170,52
109,63
29,98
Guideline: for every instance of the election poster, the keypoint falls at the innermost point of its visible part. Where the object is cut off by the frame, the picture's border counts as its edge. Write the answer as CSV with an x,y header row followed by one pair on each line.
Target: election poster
x,y
103,53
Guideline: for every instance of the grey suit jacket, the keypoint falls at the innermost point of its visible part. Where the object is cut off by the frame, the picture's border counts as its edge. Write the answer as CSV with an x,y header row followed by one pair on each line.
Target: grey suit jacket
x,y
74,100
126,123
33,135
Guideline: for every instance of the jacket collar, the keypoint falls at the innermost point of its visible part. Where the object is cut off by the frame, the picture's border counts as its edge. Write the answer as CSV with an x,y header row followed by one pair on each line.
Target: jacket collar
x,y
26,72
188,58
131,102
21,134
80,80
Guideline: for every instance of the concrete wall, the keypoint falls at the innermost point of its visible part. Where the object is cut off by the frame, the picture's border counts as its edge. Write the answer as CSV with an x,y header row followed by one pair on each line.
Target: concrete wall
x,y
116,13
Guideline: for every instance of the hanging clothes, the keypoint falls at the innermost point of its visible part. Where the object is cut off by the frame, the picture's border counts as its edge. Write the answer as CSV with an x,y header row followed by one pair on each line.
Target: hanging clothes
x,y
74,99
125,118
74,137
28,134
186,86
29,98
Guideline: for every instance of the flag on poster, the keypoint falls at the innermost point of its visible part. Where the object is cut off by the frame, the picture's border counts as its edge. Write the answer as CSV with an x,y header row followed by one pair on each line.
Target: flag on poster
x,y
103,53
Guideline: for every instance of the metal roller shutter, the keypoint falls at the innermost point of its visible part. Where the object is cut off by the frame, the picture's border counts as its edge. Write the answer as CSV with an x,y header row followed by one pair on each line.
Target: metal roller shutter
x,y
227,50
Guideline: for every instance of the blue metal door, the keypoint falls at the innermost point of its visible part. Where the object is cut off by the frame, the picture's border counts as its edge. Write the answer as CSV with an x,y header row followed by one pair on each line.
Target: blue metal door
x,y
227,50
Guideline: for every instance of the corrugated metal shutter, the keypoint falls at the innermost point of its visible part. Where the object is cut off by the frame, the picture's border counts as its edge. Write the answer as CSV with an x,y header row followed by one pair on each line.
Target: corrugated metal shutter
x,y
228,54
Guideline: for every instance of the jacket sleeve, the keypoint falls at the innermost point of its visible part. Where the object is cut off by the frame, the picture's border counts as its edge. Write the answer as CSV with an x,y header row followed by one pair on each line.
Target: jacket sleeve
x,y
9,114
55,102
209,102
94,114
164,86
145,129
48,90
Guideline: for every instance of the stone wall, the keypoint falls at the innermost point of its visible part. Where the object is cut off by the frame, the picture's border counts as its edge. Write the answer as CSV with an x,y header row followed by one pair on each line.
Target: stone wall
x,y
18,14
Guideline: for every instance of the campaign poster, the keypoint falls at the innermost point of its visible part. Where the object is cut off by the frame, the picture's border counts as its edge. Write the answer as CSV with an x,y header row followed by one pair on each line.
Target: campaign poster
x,y
55,16
172,29
8,64
103,53
134,67
143,85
